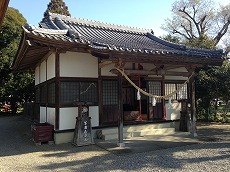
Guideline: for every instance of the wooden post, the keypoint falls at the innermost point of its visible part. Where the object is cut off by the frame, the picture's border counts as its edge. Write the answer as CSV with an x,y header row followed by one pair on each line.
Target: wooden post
x,y
193,107
57,90
163,93
120,113
139,84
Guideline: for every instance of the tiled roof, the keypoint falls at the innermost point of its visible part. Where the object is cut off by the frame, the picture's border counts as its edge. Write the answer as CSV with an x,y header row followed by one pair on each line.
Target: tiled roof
x,y
104,36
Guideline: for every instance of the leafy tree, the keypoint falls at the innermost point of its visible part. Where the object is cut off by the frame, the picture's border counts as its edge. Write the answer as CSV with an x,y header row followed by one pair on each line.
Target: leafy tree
x,y
202,41
12,85
171,38
57,6
213,83
193,19
198,23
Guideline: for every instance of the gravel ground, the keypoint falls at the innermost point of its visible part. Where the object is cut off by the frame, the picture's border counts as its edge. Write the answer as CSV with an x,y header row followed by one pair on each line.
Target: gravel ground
x,y
18,153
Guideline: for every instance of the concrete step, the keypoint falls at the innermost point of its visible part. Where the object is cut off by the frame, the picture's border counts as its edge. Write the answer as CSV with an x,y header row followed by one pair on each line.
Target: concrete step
x,y
134,128
135,131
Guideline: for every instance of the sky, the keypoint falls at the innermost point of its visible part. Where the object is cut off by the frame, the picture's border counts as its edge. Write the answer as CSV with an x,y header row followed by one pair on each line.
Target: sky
x,y
147,14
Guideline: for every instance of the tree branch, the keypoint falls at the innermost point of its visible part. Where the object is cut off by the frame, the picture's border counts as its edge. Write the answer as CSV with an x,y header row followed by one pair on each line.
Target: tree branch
x,y
221,33
180,33
193,19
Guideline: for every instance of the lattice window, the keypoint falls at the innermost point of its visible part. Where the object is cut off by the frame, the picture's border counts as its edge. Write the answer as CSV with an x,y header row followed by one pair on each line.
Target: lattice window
x,y
43,93
88,92
69,92
76,91
155,89
183,93
37,95
51,93
169,88
110,92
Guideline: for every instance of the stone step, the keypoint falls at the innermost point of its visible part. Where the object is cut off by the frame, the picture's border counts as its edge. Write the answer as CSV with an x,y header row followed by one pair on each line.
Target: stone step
x,y
137,128
112,133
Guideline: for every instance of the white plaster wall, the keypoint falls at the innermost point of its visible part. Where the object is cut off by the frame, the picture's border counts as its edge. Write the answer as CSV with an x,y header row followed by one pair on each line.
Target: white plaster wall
x,y
105,71
173,111
43,72
179,69
75,64
146,66
37,76
51,66
42,114
176,78
51,115
68,117
128,66
94,114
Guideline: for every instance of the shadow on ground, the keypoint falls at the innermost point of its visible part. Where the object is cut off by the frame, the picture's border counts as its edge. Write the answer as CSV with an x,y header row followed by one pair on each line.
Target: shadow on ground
x,y
15,137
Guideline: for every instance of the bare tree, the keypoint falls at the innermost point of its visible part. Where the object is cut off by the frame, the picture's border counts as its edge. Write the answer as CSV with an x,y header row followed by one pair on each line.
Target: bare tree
x,y
192,19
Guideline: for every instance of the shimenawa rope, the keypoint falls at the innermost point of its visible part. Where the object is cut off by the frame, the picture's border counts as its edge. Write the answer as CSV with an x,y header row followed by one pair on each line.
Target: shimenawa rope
x,y
149,94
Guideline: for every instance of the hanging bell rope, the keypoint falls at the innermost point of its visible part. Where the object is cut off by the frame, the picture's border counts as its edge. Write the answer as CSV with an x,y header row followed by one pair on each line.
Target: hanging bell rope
x,y
149,94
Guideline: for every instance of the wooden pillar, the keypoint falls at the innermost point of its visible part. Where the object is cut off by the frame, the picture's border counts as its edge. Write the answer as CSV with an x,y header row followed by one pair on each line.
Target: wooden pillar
x,y
193,107
163,100
57,90
120,143
100,98
120,113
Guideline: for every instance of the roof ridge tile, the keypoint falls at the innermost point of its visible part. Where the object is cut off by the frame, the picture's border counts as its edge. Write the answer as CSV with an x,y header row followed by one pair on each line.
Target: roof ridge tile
x,y
99,24
30,28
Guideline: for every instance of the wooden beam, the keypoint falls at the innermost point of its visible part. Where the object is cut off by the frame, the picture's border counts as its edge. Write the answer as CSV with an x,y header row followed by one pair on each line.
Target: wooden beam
x,y
104,63
151,72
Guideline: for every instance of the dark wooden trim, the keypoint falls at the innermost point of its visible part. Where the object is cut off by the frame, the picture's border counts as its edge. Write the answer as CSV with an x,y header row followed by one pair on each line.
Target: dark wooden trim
x,y
100,96
120,110
57,90
109,77
73,105
192,98
163,100
77,79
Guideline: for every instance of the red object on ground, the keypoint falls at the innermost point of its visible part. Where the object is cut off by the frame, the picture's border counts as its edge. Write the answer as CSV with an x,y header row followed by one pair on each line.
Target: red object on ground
x,y
42,132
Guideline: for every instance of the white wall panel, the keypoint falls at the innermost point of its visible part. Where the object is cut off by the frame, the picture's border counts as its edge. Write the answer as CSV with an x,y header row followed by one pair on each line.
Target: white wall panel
x,y
42,114
51,115
180,69
43,72
67,118
173,111
176,78
51,66
105,71
74,64
94,114
146,66
37,75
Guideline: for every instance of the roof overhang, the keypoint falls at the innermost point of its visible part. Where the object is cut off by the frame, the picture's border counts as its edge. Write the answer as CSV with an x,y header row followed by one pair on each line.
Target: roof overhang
x,y
33,49
157,58
3,7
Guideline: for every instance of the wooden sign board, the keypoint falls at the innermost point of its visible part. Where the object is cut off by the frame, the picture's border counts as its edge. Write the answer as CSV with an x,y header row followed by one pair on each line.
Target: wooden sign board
x,y
83,128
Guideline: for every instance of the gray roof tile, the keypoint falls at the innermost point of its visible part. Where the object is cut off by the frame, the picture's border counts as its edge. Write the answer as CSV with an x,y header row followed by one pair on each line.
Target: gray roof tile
x,y
103,36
